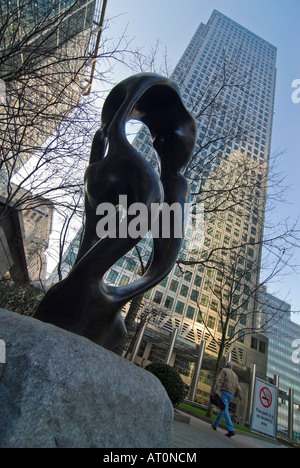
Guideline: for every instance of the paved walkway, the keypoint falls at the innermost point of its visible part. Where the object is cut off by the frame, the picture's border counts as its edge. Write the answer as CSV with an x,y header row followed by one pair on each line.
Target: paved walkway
x,y
199,434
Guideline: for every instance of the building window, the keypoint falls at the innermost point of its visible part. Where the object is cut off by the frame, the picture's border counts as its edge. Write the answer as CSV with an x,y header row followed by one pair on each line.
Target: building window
x,y
179,307
200,317
112,276
130,265
188,276
198,280
204,300
190,312
194,295
211,322
169,302
124,280
157,297
262,347
174,285
243,319
184,290
241,336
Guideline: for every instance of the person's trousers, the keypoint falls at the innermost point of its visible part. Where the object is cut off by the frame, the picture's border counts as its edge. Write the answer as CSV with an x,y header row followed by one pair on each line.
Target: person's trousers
x,y
226,398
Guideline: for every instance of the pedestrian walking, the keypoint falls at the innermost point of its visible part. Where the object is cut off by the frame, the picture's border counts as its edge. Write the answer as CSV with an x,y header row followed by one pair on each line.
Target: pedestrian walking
x,y
228,384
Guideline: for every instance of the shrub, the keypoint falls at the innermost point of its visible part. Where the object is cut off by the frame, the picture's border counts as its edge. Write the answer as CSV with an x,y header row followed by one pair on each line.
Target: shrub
x,y
170,379
23,299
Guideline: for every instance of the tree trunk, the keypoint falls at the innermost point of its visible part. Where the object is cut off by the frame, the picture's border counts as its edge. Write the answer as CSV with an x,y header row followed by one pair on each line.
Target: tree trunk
x,y
214,380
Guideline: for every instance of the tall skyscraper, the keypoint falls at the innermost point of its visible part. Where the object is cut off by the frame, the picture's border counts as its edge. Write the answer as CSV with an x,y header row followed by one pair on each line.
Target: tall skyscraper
x,y
227,79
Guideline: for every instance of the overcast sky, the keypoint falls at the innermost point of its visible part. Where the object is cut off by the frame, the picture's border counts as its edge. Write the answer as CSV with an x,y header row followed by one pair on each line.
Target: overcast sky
x,y
174,22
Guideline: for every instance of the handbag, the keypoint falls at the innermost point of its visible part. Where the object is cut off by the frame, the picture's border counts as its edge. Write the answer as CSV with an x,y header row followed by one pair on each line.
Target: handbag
x,y
217,401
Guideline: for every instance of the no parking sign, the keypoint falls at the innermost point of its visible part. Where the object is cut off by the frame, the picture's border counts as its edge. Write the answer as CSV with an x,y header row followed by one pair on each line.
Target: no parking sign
x,y
264,408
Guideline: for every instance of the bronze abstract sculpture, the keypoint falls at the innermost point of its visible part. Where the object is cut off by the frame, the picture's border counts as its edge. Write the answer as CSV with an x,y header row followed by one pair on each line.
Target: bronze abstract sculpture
x,y
83,303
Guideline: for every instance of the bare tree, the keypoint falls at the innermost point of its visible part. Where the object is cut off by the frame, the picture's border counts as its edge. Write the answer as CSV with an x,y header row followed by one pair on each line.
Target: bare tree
x,y
154,61
45,61
234,294
242,245
51,112
242,250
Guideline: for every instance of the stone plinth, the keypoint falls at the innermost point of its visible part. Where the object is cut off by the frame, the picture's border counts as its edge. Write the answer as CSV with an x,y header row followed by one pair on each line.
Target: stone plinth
x,y
58,389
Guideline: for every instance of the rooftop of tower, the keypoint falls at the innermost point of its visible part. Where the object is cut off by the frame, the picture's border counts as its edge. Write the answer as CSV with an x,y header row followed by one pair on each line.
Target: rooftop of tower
x,y
218,13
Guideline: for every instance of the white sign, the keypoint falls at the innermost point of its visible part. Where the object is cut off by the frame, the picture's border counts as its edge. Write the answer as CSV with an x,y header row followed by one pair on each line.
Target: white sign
x,y
264,408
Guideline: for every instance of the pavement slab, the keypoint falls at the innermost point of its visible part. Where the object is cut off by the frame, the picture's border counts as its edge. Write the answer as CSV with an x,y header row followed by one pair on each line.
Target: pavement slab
x,y
196,433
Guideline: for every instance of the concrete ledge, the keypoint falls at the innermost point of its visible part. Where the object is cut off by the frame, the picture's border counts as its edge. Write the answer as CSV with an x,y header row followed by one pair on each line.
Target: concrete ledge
x,y
181,417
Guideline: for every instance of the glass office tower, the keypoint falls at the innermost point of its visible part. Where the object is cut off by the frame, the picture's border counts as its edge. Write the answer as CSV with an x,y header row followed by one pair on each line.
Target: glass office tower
x,y
227,79
283,356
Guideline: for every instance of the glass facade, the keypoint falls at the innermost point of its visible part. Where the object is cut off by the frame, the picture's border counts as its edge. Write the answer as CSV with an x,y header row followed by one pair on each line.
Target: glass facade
x,y
282,334
227,80
44,57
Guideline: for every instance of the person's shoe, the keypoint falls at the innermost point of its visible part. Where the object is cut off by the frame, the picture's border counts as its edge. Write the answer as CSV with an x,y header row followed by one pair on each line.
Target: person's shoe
x,y
230,433
214,427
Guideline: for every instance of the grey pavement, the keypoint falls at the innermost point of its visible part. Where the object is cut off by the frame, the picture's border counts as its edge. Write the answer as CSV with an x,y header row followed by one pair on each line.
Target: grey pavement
x,y
199,434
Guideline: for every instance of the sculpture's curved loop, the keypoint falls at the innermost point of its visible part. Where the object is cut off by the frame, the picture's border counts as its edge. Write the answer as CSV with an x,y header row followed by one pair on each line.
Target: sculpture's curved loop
x,y
83,303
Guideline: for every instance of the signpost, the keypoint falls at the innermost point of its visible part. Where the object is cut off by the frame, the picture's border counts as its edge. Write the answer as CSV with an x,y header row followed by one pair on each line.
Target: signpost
x,y
264,411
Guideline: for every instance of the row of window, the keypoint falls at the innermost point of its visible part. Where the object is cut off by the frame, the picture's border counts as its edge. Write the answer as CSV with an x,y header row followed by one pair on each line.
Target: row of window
x,y
184,291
